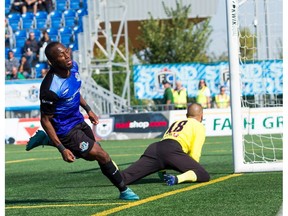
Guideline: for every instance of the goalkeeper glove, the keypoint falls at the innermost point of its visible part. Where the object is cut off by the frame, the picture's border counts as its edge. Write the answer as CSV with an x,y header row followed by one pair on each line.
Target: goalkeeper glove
x,y
170,179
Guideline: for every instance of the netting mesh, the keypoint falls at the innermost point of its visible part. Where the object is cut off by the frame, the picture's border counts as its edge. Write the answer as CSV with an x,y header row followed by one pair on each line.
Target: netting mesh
x,y
260,39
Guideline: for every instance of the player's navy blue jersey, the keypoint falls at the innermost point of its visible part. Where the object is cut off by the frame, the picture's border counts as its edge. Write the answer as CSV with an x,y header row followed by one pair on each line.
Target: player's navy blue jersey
x,y
60,97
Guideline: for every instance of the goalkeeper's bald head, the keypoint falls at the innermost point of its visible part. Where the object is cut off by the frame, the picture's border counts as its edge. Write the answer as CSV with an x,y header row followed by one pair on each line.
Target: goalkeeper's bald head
x,y
195,111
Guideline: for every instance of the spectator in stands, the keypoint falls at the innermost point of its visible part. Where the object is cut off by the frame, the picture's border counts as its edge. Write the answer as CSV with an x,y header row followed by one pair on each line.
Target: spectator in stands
x,y
44,41
11,63
168,99
44,71
31,49
222,99
203,95
15,74
180,96
30,5
46,5
9,40
17,6
25,67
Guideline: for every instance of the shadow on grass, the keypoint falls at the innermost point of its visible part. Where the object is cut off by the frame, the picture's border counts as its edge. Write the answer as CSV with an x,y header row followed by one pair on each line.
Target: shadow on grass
x,y
48,201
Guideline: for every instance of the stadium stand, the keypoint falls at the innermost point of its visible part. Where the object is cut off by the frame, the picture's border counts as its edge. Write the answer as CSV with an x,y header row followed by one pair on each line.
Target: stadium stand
x,y
75,4
63,24
53,34
7,6
38,69
37,33
41,20
20,37
61,5
66,36
14,21
55,19
18,52
69,18
27,21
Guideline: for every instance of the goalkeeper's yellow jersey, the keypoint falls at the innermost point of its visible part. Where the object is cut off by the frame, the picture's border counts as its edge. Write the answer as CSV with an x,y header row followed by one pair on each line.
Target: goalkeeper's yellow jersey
x,y
190,134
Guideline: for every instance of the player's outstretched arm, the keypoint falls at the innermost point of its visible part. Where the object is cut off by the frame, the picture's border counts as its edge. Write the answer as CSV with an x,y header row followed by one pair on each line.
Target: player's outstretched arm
x,y
67,155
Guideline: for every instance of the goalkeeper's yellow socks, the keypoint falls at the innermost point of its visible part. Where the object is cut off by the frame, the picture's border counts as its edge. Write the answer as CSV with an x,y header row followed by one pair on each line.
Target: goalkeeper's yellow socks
x,y
188,176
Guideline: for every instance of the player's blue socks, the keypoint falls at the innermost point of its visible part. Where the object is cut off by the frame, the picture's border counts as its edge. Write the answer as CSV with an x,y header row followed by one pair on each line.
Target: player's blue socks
x,y
40,138
170,179
128,194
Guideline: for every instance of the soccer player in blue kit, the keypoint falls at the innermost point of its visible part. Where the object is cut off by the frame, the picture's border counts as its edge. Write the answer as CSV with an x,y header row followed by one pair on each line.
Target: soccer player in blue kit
x,y
60,102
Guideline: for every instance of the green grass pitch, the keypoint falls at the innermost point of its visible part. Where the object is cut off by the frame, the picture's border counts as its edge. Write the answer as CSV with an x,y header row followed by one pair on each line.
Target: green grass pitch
x,y
40,183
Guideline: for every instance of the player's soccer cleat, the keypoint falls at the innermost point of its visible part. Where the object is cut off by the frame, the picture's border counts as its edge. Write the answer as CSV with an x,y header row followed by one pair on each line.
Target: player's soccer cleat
x,y
161,174
40,138
128,194
170,179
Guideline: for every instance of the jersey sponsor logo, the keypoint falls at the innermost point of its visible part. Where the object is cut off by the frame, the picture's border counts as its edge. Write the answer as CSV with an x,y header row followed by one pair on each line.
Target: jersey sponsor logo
x,y
84,146
46,102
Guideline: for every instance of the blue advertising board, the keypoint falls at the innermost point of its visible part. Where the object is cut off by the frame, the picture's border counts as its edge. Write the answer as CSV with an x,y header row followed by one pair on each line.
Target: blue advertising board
x,y
265,77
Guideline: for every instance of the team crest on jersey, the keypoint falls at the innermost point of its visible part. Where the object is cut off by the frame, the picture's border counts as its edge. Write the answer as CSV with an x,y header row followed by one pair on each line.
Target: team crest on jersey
x,y
84,146
104,127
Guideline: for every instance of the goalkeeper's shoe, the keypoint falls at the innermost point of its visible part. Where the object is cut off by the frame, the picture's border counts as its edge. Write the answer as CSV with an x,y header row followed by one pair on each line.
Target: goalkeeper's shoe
x,y
170,179
128,194
161,174
40,138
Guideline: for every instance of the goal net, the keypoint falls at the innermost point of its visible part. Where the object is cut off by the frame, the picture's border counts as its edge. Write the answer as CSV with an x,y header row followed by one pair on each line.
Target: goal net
x,y
256,83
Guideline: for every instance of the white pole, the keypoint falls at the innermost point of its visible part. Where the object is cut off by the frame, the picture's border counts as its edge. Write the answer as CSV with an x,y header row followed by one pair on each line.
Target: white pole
x,y
235,85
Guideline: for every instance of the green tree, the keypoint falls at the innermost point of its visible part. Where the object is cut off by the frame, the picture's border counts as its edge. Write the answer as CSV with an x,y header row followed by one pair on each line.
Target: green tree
x,y
248,44
176,39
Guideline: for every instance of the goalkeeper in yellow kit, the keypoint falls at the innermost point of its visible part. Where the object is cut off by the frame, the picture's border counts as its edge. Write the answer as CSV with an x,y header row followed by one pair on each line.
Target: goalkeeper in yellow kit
x,y
179,150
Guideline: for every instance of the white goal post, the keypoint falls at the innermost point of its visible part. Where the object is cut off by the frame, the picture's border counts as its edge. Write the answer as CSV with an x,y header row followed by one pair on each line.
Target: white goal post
x,y
254,47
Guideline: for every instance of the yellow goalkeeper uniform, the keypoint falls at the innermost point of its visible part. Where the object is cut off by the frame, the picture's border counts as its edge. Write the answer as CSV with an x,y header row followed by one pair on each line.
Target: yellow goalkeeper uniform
x,y
179,150
190,134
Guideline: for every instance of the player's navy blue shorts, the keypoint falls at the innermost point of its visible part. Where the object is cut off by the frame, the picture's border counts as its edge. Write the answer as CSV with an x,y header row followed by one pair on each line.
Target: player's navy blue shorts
x,y
79,140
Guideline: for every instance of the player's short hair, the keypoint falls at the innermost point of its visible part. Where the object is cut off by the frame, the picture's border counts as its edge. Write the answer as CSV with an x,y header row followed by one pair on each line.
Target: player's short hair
x,y
49,49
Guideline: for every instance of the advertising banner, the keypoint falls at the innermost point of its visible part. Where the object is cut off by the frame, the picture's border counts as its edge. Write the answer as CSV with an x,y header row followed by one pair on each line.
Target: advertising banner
x,y
22,95
153,125
255,121
259,77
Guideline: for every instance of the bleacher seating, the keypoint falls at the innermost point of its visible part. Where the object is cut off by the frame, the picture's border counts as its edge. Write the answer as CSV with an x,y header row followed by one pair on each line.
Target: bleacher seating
x,y
37,33
20,37
38,68
69,18
27,21
14,21
18,52
53,34
41,20
55,19
74,4
7,6
63,24
80,13
6,52
66,36
61,5
76,30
